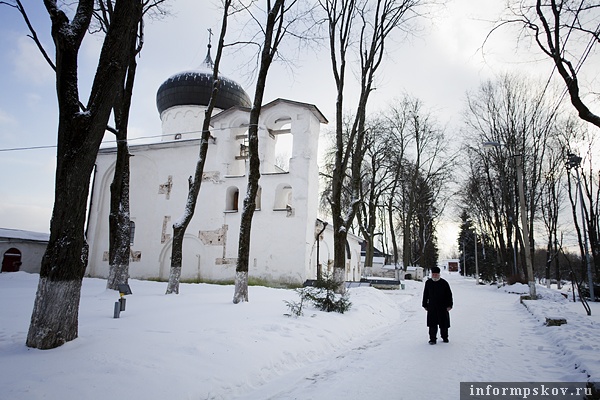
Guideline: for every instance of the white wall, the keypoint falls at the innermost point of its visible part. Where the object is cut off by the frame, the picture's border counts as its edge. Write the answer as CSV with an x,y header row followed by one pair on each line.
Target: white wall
x,y
31,253
282,239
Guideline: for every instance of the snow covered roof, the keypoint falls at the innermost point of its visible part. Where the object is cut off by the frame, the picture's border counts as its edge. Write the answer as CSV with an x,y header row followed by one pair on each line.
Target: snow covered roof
x,y
311,107
8,233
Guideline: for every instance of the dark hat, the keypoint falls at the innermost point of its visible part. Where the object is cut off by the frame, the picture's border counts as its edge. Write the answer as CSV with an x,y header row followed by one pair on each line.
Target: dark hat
x,y
435,270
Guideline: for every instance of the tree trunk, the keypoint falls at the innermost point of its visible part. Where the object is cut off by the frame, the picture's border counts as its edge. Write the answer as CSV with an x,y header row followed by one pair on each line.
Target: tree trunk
x,y
55,313
557,264
243,260
548,263
195,183
390,210
54,319
340,233
339,251
407,257
269,49
119,218
119,221
177,255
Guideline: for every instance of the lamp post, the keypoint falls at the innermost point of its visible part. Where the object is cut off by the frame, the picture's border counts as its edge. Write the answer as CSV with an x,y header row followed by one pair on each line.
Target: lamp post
x,y
525,227
318,238
573,162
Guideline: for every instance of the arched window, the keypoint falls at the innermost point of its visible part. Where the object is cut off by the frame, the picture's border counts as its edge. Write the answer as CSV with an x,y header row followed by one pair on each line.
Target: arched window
x,y
283,147
283,197
232,198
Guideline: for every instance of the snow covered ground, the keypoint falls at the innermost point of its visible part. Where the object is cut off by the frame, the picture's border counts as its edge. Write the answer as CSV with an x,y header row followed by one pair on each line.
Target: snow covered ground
x,y
198,345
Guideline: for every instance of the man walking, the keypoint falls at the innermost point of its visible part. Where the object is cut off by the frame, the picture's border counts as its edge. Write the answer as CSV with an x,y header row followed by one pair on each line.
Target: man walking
x,y
437,301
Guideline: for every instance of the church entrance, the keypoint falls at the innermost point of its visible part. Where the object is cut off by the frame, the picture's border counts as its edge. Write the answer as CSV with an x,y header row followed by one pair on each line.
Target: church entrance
x,y
11,262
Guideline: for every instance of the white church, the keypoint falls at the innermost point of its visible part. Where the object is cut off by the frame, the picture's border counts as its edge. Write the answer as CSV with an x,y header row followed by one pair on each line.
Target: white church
x,y
288,239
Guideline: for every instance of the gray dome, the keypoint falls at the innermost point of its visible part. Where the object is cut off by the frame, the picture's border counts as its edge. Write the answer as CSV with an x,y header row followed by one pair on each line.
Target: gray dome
x,y
194,88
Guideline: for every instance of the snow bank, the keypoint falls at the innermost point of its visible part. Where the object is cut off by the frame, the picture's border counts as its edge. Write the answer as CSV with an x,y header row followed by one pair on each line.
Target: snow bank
x,y
577,341
193,345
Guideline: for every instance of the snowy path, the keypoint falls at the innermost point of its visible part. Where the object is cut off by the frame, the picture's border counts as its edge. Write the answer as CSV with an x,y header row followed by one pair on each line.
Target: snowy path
x,y
397,362
199,345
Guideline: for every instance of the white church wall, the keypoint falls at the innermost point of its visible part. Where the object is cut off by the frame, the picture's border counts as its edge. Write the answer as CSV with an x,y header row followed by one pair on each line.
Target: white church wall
x,y
229,134
283,228
354,265
153,204
182,122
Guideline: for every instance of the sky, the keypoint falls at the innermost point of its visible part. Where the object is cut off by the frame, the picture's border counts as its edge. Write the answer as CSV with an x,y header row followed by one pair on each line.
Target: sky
x,y
199,345
438,64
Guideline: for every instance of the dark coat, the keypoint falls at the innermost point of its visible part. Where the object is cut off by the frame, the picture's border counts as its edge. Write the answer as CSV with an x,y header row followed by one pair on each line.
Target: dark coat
x,y
437,298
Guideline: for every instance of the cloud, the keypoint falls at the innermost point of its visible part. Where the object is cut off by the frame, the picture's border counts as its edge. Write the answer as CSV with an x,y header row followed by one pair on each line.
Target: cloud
x,y
29,63
28,217
6,119
7,124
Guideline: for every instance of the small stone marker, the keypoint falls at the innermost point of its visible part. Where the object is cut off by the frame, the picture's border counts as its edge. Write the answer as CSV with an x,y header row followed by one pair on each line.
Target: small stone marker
x,y
555,321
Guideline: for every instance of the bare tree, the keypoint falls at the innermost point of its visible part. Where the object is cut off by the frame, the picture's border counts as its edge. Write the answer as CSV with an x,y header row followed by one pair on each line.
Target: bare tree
x,y
377,171
522,117
424,176
368,25
551,203
119,217
405,165
566,31
587,199
274,31
195,182
397,122
54,319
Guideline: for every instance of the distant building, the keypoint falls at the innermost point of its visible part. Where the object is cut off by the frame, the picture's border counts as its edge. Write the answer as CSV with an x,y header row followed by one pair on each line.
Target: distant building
x,y
22,250
451,265
285,225
414,273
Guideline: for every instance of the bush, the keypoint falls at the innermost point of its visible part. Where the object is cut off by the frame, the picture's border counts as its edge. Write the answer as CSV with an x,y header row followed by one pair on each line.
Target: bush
x,y
294,307
322,296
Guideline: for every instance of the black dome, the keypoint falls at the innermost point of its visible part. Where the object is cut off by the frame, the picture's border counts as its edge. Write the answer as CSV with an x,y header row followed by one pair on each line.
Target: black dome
x,y
194,88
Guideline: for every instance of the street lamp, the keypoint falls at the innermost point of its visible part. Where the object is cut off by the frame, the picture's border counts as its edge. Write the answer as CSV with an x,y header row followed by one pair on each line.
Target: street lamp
x,y
318,238
573,162
525,227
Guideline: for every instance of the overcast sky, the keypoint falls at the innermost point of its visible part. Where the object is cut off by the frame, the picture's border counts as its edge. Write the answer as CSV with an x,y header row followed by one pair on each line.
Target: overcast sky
x,y
438,65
